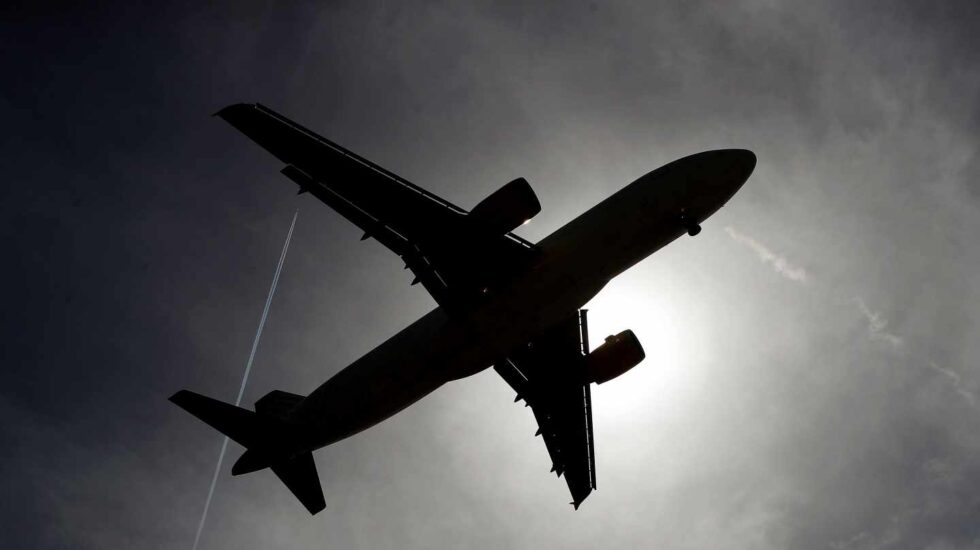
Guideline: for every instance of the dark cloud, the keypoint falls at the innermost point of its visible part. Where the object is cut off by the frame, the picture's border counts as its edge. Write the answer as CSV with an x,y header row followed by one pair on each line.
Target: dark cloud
x,y
831,411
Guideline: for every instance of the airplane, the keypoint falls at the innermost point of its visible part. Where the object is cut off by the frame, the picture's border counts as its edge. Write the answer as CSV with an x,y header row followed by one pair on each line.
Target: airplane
x,y
502,301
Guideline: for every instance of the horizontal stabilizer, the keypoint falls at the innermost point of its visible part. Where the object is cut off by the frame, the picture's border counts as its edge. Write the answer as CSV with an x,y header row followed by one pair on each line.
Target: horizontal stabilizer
x,y
239,424
299,474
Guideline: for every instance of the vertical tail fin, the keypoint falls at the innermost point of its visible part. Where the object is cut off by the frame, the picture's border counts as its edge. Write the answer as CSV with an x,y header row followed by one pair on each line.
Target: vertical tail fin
x,y
262,434
278,403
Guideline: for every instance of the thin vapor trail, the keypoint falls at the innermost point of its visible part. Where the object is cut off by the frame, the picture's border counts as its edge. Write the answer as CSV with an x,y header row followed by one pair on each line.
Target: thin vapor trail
x,y
248,369
877,323
767,256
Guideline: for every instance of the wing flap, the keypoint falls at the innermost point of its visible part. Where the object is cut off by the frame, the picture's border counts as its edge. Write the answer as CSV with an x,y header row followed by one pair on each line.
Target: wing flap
x,y
454,260
549,374
375,228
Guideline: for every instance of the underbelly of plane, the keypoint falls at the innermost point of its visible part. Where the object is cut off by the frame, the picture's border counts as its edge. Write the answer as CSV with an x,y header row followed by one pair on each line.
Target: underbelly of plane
x,y
410,365
437,349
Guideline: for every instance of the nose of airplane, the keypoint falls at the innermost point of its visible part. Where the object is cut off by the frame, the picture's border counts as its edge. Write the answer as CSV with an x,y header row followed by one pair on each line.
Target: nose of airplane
x,y
713,177
728,169
742,163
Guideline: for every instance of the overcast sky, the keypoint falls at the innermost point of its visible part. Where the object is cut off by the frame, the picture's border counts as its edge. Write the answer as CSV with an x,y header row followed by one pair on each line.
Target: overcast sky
x,y
813,357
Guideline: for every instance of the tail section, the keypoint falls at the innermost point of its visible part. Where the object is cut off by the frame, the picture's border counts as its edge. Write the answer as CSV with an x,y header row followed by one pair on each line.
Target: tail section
x,y
245,427
267,436
278,403
299,474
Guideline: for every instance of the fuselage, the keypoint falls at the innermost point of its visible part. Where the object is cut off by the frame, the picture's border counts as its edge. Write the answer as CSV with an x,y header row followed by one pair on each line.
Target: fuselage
x,y
576,262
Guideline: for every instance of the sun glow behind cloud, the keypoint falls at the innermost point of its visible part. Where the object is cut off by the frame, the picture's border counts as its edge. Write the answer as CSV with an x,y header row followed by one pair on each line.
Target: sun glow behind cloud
x,y
660,384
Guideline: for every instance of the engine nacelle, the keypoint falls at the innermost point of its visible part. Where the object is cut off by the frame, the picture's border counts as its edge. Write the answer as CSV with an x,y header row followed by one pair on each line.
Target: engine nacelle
x,y
507,208
617,355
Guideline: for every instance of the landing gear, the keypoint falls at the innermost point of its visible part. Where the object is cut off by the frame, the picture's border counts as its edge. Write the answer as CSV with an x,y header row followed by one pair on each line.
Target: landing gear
x,y
690,224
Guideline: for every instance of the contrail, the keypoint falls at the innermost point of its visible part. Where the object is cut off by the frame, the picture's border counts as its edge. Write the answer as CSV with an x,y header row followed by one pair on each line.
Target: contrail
x,y
957,383
877,323
248,369
767,256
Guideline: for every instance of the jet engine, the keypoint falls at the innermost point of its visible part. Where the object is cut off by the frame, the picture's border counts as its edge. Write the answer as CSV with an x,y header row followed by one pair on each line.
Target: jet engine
x,y
506,208
617,355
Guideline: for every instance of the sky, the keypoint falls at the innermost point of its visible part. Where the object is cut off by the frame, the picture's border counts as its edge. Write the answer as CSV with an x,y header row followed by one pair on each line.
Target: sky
x,y
812,377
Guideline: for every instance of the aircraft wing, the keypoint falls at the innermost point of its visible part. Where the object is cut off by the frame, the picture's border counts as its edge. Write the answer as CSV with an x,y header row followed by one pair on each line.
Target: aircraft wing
x,y
549,375
452,258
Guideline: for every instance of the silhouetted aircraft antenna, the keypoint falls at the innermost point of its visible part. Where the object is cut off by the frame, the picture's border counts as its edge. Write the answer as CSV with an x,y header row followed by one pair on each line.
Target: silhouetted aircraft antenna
x,y
248,369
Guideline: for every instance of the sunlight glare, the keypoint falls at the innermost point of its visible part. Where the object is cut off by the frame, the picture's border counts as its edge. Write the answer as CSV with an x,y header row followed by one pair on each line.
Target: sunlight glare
x,y
660,384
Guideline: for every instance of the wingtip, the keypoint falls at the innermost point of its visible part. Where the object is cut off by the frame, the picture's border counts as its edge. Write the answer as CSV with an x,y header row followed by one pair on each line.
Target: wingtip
x,y
178,397
225,112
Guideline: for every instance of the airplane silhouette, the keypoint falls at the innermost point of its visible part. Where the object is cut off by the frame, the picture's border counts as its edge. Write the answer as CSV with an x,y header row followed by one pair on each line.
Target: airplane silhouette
x,y
502,301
